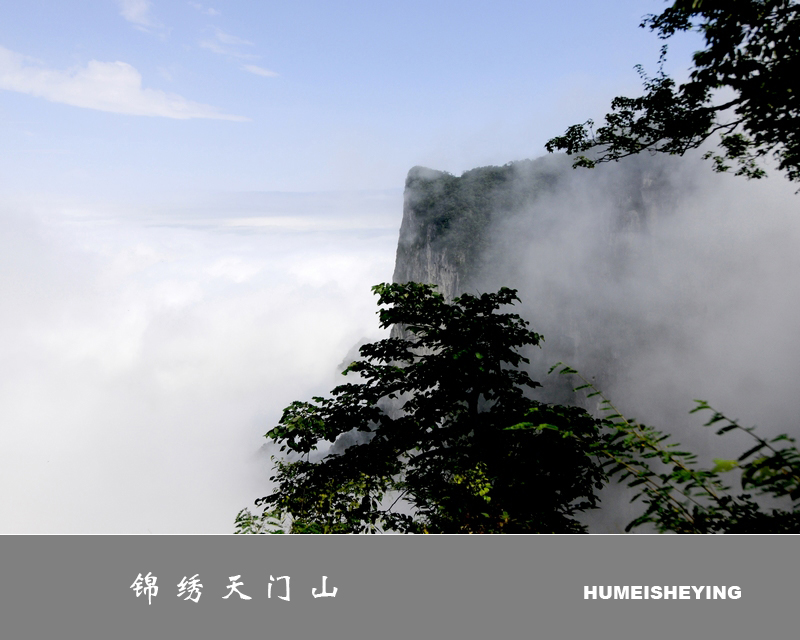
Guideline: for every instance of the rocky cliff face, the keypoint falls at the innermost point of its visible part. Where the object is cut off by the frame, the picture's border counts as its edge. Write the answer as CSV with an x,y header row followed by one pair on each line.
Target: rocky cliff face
x,y
449,226
446,221
423,254
566,239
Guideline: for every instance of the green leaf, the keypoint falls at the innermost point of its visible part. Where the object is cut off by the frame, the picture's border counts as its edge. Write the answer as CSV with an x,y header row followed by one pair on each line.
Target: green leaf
x,y
466,435
752,450
723,466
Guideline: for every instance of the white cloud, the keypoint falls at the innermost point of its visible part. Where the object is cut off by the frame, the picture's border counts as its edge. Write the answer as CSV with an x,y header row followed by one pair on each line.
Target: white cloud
x,y
138,13
260,71
215,47
144,362
223,42
234,269
106,86
209,11
227,38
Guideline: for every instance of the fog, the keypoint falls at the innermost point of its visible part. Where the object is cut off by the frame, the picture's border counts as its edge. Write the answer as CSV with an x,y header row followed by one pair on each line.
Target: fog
x,y
147,346
690,291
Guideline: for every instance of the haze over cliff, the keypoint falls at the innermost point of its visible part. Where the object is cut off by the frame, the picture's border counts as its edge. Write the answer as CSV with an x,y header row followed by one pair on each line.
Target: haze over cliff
x,y
661,280
481,231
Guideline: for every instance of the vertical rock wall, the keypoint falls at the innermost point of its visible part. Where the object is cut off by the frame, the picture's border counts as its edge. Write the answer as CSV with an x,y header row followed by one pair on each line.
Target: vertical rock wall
x,y
564,238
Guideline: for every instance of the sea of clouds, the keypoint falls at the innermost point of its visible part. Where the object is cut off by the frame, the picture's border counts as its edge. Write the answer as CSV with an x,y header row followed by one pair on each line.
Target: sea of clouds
x,y
148,346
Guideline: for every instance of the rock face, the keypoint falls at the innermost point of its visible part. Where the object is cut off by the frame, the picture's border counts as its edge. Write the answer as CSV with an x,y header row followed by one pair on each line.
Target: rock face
x,y
422,252
449,226
567,240
446,220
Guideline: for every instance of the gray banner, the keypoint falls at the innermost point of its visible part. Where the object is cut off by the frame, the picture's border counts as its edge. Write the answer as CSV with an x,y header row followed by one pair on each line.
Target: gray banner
x,y
393,587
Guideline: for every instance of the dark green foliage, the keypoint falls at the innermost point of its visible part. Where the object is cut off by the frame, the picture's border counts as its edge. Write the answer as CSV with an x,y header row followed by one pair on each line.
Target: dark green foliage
x,y
447,438
683,498
440,435
752,48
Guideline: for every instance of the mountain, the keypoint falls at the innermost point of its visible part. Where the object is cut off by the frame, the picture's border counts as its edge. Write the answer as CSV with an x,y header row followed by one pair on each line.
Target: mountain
x,y
566,239
446,232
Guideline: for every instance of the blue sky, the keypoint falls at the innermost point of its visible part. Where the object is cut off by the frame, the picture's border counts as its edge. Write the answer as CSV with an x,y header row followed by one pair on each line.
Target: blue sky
x,y
137,96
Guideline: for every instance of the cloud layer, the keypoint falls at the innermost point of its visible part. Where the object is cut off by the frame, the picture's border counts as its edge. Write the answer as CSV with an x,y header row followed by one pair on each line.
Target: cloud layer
x,y
115,87
144,357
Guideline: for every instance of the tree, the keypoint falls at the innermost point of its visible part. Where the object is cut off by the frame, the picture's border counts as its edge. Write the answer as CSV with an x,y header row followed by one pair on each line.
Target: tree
x,y
752,52
424,440
683,498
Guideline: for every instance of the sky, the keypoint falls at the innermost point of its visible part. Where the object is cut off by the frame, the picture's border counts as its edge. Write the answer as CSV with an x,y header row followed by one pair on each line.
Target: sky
x,y
130,96
195,199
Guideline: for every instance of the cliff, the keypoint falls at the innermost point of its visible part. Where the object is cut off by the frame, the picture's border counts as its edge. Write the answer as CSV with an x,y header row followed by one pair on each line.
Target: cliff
x,y
450,222
446,223
570,241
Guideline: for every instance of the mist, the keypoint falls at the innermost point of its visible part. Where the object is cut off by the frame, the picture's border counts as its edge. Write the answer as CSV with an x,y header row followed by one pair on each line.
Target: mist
x,y
688,289
148,346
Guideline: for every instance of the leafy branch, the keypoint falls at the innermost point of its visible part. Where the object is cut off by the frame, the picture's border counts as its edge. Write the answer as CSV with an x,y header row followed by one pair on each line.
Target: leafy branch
x,y
752,49
683,498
